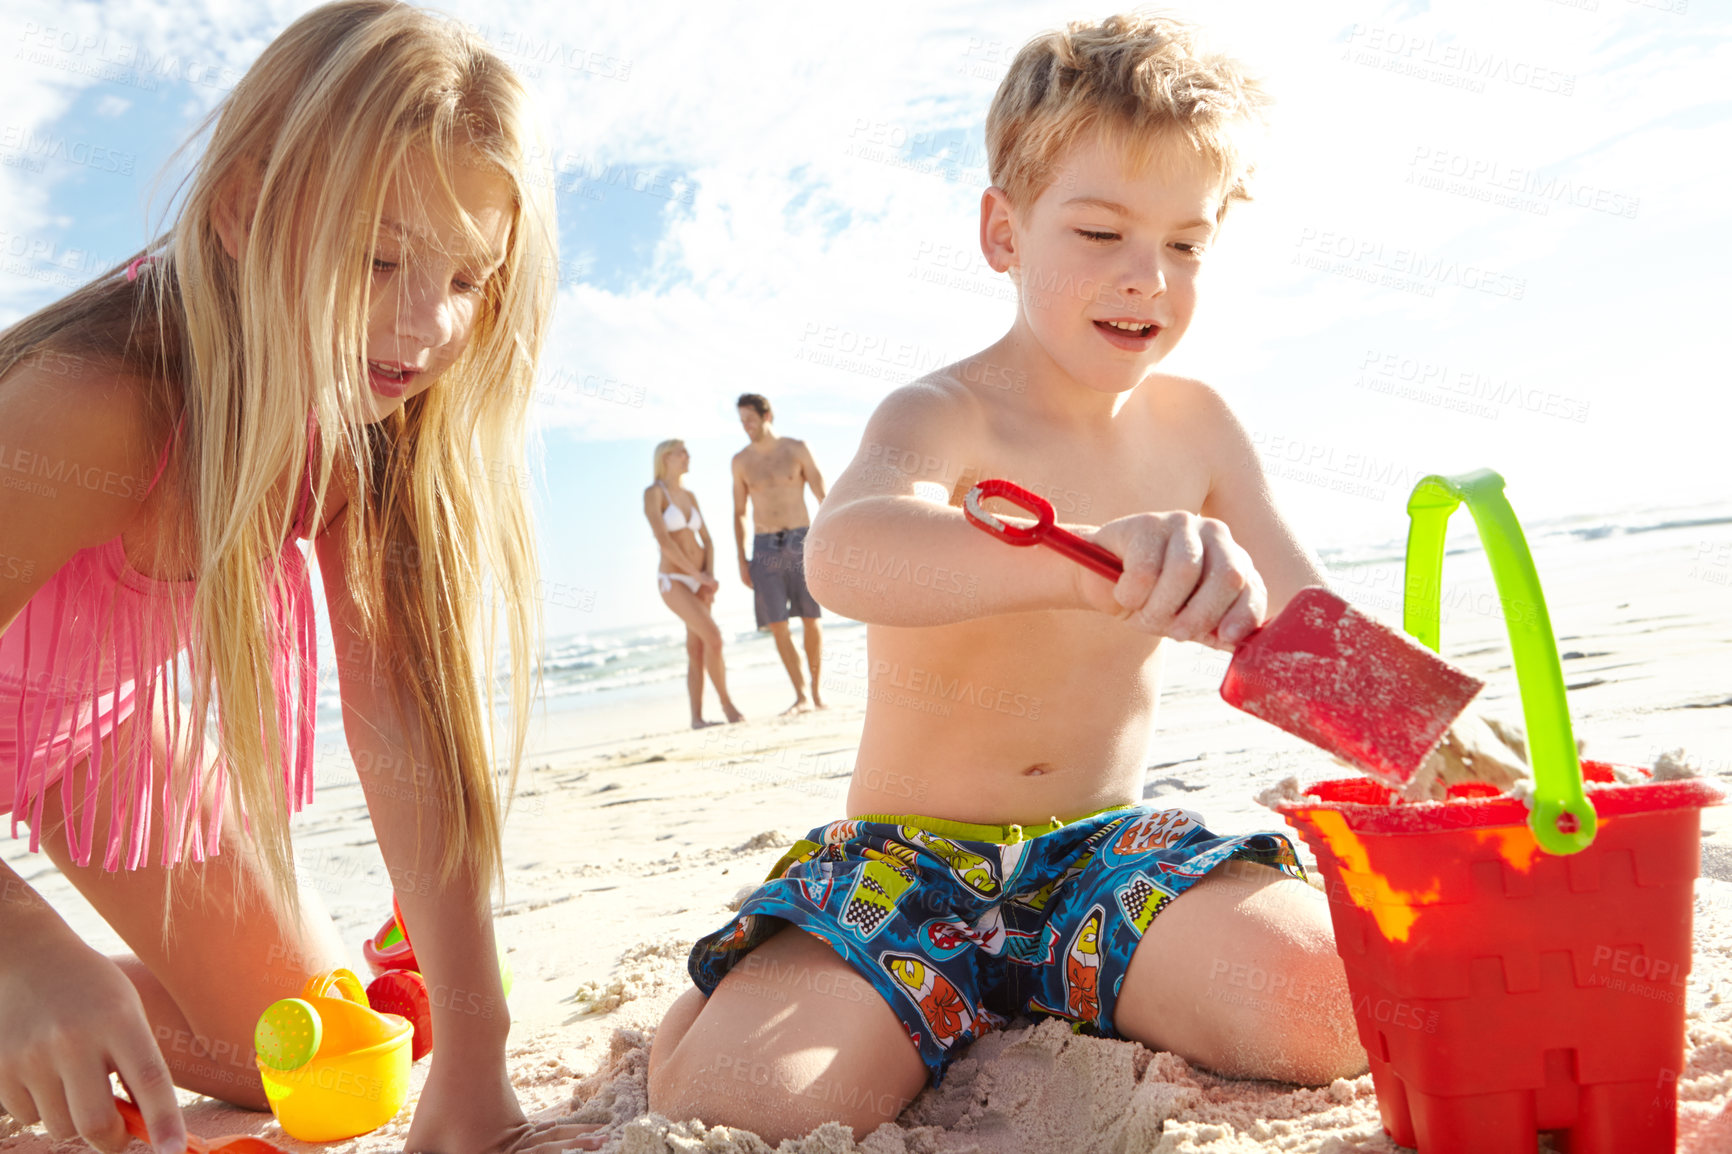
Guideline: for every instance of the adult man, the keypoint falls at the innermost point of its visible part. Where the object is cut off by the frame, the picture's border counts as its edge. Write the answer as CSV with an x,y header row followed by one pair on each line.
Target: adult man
x,y
773,472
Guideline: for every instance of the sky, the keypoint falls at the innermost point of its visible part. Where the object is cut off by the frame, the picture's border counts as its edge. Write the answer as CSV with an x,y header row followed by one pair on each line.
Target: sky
x,y
1487,233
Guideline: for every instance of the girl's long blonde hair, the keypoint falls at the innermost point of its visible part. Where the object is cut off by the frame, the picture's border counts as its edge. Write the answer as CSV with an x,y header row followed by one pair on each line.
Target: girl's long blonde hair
x,y
440,551
662,451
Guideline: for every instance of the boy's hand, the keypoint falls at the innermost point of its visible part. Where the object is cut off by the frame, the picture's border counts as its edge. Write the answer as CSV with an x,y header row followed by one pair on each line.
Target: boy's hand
x,y
1185,578
745,573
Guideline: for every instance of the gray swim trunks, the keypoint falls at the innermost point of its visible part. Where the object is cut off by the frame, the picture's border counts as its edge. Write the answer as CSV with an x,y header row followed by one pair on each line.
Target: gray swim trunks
x,y
778,568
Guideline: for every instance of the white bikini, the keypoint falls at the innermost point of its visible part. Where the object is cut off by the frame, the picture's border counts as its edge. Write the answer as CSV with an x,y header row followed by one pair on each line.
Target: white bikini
x,y
675,520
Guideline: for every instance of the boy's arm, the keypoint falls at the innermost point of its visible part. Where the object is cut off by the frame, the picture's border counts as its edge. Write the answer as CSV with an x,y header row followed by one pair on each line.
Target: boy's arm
x,y
880,554
1239,496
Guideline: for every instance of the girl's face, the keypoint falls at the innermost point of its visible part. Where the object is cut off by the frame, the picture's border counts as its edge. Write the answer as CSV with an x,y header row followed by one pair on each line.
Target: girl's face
x,y
428,278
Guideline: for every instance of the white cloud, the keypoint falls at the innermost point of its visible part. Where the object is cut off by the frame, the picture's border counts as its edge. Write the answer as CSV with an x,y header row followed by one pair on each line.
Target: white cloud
x,y
803,239
763,113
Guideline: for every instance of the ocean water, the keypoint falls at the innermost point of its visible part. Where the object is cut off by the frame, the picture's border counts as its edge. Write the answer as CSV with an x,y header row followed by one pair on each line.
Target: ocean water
x,y
580,670
1541,534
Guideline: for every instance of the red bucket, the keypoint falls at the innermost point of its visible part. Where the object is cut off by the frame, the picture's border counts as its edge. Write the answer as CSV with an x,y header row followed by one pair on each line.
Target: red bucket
x,y
1500,990
1513,970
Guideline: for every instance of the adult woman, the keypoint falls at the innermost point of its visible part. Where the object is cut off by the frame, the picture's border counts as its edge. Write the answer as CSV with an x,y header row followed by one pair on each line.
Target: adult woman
x,y
686,576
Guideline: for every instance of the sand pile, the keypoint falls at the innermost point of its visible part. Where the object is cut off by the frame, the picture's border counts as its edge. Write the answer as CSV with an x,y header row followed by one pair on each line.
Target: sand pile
x,y
1039,1088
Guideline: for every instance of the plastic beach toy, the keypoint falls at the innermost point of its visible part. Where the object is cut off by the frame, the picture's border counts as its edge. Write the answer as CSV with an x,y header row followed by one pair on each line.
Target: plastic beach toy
x,y
1042,532
404,993
332,1066
1320,670
1563,821
397,986
1502,987
227,1144
389,949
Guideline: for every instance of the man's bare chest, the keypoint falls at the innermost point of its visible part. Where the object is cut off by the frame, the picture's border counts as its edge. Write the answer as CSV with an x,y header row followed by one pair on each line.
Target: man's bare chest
x,y
774,469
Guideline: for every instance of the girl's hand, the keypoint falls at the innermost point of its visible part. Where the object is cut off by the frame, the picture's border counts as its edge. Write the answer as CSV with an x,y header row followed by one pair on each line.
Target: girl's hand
x,y
68,1017
467,1115
556,1138
707,583
1185,578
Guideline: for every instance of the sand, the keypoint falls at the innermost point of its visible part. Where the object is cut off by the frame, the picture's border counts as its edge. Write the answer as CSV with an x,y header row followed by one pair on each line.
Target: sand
x,y
630,838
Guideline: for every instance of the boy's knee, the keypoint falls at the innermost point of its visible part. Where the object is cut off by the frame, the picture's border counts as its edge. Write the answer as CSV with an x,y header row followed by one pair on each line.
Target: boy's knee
x,y
675,1024
1319,1040
775,1096
663,1088
713,1087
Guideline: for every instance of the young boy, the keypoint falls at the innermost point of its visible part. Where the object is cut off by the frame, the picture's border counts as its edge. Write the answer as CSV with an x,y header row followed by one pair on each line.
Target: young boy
x,y
1032,882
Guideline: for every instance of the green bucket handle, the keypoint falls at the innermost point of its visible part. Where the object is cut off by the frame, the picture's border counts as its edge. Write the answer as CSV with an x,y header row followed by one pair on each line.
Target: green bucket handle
x,y
1562,820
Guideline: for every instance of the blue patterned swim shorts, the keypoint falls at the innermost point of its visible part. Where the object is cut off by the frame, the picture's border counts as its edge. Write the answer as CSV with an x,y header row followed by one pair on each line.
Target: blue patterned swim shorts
x,y
960,927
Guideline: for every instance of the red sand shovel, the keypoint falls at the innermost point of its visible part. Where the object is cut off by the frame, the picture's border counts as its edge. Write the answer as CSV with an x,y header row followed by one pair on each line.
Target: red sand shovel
x,y
1320,670
227,1144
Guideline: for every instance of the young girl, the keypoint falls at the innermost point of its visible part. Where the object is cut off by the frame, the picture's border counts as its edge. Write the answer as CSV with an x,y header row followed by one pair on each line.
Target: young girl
x,y
687,575
335,341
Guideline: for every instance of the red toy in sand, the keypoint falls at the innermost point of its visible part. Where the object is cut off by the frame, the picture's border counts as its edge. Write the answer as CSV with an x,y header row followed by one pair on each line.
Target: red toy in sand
x,y
404,992
389,949
397,986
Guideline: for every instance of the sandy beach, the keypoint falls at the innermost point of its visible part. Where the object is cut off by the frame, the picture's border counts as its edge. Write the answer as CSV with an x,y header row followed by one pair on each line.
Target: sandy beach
x,y
630,837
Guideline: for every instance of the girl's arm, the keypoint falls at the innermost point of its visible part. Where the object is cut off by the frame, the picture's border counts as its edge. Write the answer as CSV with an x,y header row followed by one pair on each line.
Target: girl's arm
x,y
68,1015
677,556
468,1103
74,464
708,564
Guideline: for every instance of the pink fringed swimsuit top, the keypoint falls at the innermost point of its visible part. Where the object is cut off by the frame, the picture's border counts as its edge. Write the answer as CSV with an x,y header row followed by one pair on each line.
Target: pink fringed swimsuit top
x,y
98,644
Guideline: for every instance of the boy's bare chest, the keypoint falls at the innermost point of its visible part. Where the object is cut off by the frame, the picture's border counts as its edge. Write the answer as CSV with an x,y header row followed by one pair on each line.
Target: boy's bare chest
x,y
1091,483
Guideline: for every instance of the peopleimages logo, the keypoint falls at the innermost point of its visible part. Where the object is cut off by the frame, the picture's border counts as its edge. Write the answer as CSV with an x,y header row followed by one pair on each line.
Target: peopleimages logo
x,y
1370,259
1449,62
54,146
96,55
1513,186
22,463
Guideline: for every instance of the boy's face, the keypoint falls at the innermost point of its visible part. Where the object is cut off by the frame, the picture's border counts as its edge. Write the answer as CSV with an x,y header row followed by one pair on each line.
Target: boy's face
x,y
1107,257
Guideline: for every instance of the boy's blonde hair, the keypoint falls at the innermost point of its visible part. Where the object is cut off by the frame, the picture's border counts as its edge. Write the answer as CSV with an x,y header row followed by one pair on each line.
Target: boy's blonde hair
x,y
440,557
1143,80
